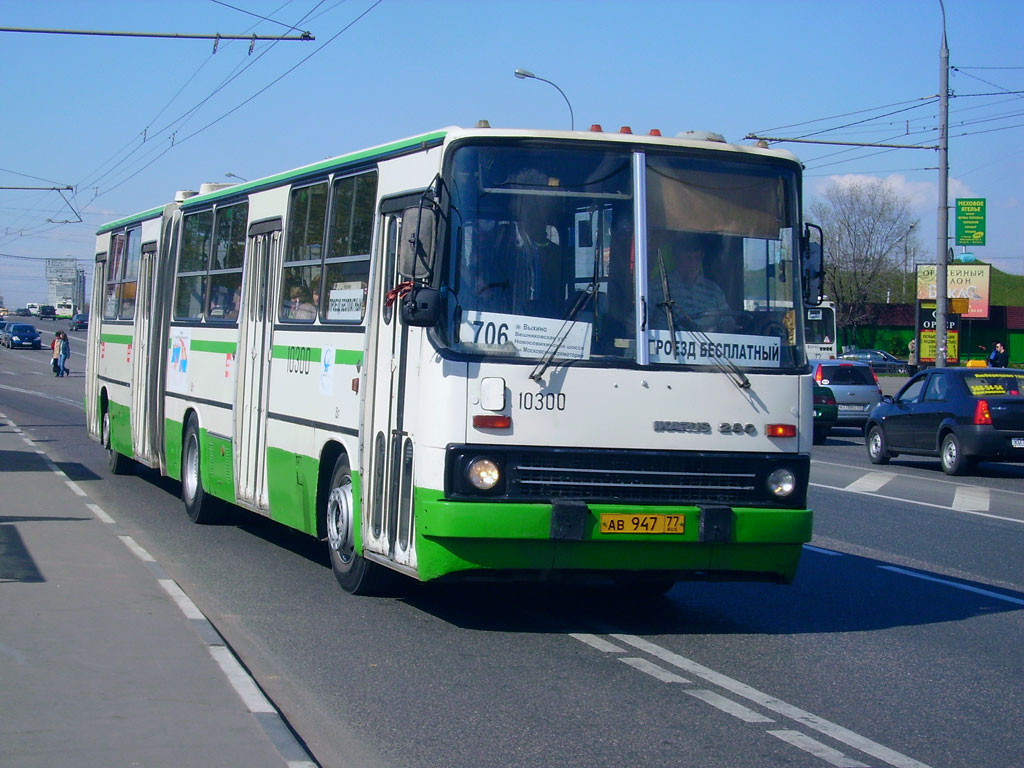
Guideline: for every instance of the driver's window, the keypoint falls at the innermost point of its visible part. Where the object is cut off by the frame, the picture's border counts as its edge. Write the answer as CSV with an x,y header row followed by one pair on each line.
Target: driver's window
x,y
938,388
912,392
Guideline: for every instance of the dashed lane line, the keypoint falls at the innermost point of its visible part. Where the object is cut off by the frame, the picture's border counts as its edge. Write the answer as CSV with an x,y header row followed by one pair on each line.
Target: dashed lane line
x,y
772,704
971,498
816,748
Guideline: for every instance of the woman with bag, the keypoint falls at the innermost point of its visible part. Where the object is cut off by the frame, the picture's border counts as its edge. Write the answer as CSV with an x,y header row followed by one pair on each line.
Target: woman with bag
x,y
55,349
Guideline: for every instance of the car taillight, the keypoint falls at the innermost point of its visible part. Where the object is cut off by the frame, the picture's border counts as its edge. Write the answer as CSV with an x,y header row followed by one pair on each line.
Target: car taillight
x,y
817,374
824,400
875,376
981,413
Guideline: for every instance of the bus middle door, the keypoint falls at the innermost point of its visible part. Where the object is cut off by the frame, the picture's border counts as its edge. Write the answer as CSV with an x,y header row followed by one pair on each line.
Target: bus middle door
x,y
252,366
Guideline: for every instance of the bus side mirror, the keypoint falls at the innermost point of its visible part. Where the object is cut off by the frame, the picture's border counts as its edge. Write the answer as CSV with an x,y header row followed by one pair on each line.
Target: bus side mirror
x,y
813,265
421,307
416,241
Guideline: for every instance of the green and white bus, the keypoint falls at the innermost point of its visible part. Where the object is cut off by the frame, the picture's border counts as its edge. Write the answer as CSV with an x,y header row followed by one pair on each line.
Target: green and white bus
x,y
465,354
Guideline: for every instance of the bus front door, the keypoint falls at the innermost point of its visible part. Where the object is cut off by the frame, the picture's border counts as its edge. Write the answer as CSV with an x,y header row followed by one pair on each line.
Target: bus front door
x,y
252,371
387,491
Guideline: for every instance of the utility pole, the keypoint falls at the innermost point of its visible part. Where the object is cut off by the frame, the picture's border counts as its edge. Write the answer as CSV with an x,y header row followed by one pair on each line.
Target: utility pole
x,y
942,240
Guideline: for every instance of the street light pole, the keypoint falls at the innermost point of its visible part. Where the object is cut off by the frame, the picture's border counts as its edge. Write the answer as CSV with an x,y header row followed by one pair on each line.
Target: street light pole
x,y
942,239
523,74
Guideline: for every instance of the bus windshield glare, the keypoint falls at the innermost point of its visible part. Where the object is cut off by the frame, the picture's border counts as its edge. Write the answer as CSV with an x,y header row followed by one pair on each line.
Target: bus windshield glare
x,y
541,258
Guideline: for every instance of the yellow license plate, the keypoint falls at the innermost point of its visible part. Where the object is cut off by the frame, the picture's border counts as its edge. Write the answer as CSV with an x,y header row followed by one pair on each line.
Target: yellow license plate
x,y
618,523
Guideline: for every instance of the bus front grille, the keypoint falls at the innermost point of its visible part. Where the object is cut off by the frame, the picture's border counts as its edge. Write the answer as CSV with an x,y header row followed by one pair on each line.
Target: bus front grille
x,y
637,477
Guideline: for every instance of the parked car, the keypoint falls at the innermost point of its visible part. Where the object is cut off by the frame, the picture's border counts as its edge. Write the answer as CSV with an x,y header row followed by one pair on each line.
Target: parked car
x,y
22,335
961,415
854,385
880,362
79,321
826,413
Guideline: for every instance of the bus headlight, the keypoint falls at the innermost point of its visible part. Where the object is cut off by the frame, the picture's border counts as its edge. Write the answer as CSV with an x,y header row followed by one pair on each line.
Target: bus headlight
x,y
781,482
483,474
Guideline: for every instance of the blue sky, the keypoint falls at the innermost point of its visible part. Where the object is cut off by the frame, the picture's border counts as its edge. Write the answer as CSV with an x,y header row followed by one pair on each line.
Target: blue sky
x,y
99,113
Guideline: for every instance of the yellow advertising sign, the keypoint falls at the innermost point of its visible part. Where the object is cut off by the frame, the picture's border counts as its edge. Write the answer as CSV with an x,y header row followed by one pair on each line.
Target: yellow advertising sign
x,y
968,282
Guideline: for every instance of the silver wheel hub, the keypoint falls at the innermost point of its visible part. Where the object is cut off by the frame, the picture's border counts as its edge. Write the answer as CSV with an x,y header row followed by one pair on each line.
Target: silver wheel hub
x,y
340,507
190,477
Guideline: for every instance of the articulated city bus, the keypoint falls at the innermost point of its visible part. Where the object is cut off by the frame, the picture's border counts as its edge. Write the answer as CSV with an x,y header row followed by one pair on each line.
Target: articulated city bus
x,y
471,353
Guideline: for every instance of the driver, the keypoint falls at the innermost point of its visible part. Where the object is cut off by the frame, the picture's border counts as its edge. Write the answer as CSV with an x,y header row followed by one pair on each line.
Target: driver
x,y
690,291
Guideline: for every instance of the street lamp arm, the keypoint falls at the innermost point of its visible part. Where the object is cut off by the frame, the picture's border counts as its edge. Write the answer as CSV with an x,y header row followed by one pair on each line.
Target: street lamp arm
x,y
524,74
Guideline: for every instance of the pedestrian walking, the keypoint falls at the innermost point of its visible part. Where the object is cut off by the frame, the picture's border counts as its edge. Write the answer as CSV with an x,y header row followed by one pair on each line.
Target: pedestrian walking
x,y
65,353
55,354
912,359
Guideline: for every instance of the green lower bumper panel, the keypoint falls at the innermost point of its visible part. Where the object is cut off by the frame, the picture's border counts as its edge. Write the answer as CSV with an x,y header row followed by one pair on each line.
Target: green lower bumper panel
x,y
720,541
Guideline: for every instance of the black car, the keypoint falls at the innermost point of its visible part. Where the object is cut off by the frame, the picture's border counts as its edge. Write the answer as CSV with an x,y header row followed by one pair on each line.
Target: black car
x,y
79,321
880,362
826,413
47,312
961,415
22,335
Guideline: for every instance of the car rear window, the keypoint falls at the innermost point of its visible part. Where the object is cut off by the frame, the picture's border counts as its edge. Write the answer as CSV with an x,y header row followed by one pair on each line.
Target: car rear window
x,y
22,329
995,384
847,374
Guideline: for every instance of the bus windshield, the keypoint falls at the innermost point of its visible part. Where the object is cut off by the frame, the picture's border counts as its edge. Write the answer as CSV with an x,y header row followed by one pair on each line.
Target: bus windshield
x,y
541,258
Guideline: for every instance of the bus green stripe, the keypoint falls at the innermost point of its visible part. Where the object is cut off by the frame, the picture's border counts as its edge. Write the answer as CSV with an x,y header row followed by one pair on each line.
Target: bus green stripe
x,y
116,338
341,356
217,347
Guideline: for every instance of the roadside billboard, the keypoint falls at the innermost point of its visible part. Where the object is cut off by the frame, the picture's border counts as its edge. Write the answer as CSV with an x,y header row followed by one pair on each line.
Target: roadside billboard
x,y
963,281
926,333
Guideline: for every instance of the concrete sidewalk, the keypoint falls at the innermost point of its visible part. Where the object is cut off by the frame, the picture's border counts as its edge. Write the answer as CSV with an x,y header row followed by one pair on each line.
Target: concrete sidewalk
x,y
104,661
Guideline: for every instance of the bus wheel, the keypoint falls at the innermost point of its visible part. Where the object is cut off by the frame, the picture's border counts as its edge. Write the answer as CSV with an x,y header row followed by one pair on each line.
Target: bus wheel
x,y
200,508
354,573
117,463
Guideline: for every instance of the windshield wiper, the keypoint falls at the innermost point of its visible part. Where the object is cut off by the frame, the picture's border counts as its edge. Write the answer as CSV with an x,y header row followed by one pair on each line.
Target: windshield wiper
x,y
567,323
725,365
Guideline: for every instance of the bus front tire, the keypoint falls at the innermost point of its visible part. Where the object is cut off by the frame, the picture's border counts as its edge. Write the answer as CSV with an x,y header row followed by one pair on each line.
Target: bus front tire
x,y
201,508
354,573
117,463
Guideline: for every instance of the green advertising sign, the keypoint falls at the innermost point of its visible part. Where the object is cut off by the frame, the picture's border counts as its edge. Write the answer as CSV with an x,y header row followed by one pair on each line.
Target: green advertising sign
x,y
970,221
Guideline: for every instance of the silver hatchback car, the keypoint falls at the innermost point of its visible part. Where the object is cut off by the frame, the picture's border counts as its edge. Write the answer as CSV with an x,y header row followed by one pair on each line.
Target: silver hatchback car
x,y
855,386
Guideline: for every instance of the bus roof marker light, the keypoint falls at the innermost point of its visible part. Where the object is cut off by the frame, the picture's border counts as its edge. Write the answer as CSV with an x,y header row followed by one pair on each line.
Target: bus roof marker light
x,y
625,129
654,132
596,128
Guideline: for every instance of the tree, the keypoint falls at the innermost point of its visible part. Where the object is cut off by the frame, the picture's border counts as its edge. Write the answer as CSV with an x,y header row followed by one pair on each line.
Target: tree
x,y
869,236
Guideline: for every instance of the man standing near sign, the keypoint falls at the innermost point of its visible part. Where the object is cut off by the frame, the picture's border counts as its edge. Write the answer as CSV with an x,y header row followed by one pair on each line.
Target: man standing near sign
x,y
998,357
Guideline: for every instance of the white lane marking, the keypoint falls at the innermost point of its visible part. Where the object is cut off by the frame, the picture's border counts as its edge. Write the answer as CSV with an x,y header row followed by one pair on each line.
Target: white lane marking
x,y
830,729
970,498
98,511
957,585
184,602
821,551
903,500
870,482
48,397
652,669
729,706
918,474
244,686
74,487
816,748
136,549
597,642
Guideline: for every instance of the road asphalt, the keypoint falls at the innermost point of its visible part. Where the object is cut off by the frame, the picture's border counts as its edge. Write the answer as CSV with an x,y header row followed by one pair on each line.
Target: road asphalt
x,y
104,661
